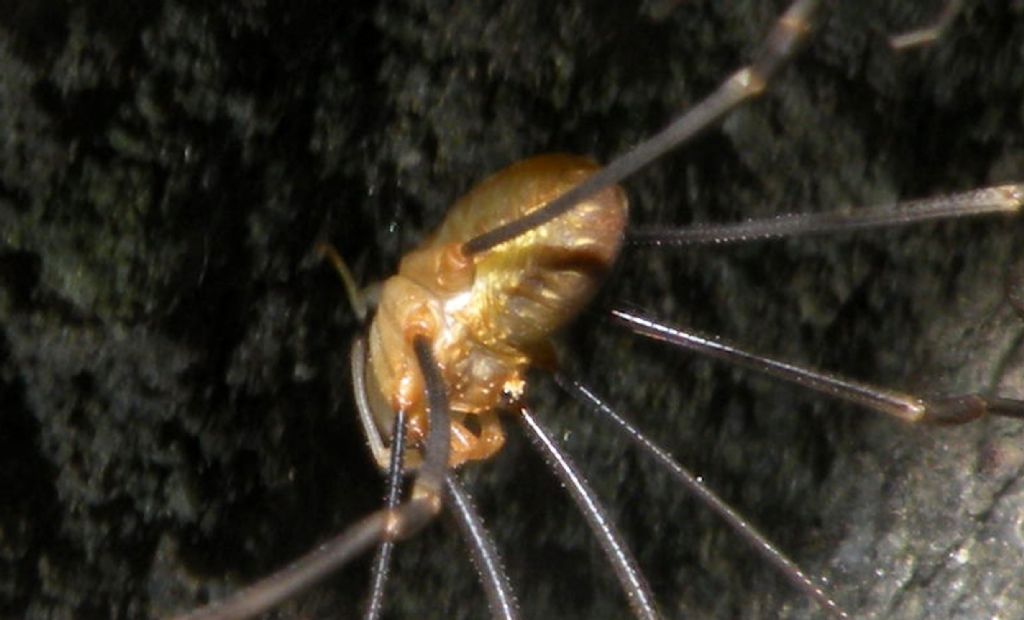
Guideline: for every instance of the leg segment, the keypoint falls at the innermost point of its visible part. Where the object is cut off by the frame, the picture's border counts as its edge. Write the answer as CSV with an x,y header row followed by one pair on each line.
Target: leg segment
x,y
633,582
500,598
957,409
357,364
382,560
743,528
782,42
1006,199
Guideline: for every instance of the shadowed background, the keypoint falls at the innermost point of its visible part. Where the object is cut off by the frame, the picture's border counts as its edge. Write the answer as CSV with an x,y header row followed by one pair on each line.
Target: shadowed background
x,y
175,411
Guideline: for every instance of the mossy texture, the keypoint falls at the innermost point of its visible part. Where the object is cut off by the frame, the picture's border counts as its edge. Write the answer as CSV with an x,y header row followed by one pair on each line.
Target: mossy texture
x,y
175,410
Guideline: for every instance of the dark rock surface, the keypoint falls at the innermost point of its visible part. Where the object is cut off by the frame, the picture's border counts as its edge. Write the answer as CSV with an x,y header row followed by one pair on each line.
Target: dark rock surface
x,y
176,419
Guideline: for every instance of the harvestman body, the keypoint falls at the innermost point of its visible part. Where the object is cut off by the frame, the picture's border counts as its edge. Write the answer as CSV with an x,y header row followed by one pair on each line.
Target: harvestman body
x,y
477,303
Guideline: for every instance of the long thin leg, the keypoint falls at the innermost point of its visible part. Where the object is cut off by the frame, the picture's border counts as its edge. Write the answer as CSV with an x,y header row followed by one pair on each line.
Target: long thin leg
x,y
500,598
624,564
956,409
782,42
746,530
357,364
382,560
990,200
402,522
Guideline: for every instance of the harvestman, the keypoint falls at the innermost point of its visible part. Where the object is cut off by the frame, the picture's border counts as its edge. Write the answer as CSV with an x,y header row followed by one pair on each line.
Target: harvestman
x,y
417,361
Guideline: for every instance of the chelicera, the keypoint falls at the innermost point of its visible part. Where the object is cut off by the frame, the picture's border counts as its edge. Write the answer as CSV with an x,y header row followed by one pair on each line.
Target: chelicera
x,y
415,374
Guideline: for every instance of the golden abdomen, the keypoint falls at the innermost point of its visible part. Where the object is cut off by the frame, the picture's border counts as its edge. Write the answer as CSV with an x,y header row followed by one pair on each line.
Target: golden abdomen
x,y
489,315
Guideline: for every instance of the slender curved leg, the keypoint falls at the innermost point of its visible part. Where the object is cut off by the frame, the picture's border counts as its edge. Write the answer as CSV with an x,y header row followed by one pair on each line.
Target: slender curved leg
x,y
357,364
944,410
402,522
743,528
382,560
1005,199
635,586
781,43
501,600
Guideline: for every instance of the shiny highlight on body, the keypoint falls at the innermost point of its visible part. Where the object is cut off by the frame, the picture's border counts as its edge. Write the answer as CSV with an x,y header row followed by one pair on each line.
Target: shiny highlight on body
x,y
492,315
